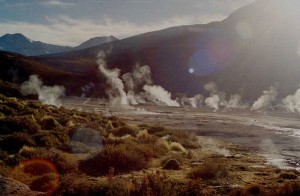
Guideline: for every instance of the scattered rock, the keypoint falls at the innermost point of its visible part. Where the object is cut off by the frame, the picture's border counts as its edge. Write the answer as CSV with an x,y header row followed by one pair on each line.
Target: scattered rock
x,y
172,164
10,186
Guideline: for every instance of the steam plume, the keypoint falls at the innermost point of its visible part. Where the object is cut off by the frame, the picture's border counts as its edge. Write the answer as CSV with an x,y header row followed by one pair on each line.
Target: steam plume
x,y
135,81
49,95
214,99
213,102
115,91
131,91
196,101
266,99
211,87
235,101
86,89
292,102
157,94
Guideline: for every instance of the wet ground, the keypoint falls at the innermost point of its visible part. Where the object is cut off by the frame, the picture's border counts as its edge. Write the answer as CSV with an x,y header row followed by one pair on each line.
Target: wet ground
x,y
273,134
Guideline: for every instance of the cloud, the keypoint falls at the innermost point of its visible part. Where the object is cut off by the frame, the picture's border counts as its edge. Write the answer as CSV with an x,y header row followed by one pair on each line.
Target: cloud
x,y
54,3
63,30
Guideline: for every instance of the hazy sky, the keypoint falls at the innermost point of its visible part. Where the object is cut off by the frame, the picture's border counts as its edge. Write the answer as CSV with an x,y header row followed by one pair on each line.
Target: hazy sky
x,y
70,22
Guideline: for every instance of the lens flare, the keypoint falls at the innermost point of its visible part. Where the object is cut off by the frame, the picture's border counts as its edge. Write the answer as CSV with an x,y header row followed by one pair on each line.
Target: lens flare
x,y
38,174
211,54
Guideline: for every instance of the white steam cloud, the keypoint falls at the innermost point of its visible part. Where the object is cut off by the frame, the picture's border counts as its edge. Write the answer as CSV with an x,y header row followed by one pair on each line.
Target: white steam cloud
x,y
115,90
214,99
266,99
213,102
134,88
217,99
49,95
157,94
235,102
135,81
292,102
211,87
196,101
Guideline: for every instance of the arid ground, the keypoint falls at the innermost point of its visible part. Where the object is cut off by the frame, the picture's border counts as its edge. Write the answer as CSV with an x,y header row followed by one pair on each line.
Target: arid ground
x,y
274,134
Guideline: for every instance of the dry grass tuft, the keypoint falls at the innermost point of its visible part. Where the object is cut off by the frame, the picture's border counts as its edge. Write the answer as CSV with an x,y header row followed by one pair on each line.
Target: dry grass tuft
x,y
123,158
209,171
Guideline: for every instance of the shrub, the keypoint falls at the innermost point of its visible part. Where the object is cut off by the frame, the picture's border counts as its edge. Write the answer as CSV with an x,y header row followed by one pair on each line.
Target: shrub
x,y
162,146
14,142
111,139
52,139
123,158
3,97
288,176
62,162
126,130
144,137
7,110
19,123
45,183
14,160
81,185
14,103
209,171
157,184
3,155
4,170
49,123
156,130
175,146
64,119
34,105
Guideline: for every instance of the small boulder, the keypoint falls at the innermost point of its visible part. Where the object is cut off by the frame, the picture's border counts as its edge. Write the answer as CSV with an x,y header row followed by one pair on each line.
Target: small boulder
x,y
172,164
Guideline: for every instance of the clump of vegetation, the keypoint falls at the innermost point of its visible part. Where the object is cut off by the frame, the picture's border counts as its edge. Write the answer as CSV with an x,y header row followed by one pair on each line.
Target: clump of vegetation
x,y
52,139
49,123
126,130
291,189
209,171
25,123
175,146
123,158
13,143
62,162
288,176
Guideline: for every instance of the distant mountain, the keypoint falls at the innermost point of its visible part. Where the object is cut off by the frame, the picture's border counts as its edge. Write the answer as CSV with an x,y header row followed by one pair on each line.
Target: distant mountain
x,y
95,41
20,44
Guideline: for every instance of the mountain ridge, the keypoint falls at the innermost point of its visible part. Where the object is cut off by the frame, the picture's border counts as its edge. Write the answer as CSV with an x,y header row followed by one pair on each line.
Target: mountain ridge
x,y
18,43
